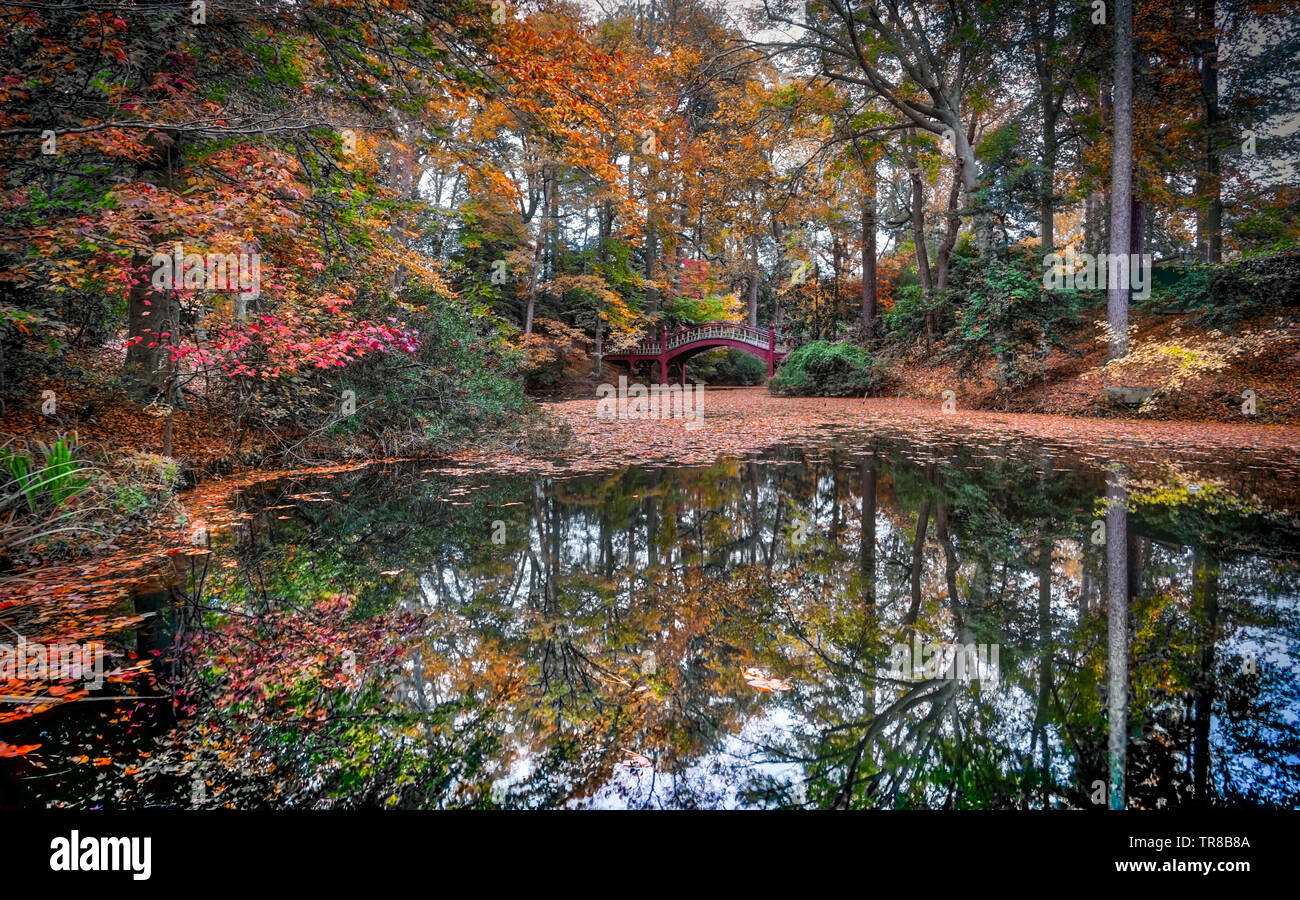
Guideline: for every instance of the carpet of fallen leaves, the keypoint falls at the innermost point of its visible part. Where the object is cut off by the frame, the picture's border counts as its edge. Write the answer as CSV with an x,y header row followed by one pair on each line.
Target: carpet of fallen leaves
x,y
746,420
109,422
1071,380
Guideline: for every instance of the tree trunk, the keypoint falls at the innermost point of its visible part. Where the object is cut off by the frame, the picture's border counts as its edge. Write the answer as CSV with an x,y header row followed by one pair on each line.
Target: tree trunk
x,y
606,230
1209,186
148,314
1121,174
534,276
968,171
943,259
553,222
1205,605
1046,655
1045,59
402,164
1096,233
918,562
867,548
651,247
1137,226
753,282
678,251
918,227
1093,237
1046,191
539,253
869,262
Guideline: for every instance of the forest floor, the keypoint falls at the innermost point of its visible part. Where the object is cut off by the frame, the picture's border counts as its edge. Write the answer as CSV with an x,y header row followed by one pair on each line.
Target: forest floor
x,y
1203,373
1072,379
108,420
740,421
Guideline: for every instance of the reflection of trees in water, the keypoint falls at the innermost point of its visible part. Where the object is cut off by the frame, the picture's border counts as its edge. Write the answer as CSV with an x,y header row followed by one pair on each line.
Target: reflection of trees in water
x,y
622,610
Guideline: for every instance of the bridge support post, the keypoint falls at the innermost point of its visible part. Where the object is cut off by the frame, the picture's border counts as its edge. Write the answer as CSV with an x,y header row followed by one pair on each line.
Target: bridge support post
x,y
771,352
663,355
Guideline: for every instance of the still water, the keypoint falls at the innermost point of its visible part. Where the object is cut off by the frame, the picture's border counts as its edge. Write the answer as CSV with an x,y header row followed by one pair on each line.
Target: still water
x,y
856,621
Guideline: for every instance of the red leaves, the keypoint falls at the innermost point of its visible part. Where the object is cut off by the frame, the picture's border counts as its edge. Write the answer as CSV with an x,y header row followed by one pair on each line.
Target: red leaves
x,y
253,654
293,341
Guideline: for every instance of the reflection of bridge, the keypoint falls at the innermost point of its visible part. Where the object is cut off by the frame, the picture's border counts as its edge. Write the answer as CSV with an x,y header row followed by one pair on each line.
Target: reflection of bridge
x,y
685,342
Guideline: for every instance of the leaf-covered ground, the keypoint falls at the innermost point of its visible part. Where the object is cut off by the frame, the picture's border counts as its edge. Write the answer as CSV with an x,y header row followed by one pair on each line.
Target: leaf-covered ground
x,y
741,420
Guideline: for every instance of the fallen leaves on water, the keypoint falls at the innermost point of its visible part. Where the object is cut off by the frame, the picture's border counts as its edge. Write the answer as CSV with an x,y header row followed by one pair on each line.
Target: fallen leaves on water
x,y
635,761
760,682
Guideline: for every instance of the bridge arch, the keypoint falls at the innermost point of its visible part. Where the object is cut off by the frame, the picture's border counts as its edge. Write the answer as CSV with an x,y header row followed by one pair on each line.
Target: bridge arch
x,y
683,343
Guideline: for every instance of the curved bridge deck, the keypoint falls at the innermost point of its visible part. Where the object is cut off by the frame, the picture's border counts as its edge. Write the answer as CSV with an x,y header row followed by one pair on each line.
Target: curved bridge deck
x,y
683,343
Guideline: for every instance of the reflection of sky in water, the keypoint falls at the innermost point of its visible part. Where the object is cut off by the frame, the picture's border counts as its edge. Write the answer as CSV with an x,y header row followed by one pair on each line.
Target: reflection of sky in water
x,y
730,763
713,780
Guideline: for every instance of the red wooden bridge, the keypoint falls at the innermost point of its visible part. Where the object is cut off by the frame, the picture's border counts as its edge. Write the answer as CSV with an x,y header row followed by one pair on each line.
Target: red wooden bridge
x,y
681,344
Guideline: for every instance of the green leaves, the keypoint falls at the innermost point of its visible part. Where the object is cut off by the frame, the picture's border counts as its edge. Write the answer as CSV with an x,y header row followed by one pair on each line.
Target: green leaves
x,y
827,370
60,478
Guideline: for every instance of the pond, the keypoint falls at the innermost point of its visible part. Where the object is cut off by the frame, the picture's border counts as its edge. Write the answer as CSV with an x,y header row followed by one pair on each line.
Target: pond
x,y
853,620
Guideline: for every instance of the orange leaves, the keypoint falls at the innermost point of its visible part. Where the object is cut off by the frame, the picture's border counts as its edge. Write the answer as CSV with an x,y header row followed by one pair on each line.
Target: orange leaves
x,y
888,271
11,750
760,682
635,761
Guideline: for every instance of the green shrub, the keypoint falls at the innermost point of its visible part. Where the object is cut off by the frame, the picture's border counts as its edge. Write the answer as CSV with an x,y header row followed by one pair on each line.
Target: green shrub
x,y
907,314
1250,284
464,377
827,370
728,367
1175,288
1001,293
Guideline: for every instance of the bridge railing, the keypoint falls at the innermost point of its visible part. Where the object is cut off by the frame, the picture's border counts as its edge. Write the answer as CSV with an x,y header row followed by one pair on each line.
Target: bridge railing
x,y
745,334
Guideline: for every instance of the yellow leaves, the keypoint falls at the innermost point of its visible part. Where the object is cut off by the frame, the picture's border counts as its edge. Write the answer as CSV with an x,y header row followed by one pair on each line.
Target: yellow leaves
x,y
1173,362
622,320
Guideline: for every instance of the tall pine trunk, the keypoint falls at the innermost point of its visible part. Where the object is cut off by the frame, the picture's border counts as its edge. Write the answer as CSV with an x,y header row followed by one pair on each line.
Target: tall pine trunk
x,y
1121,175
1209,187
